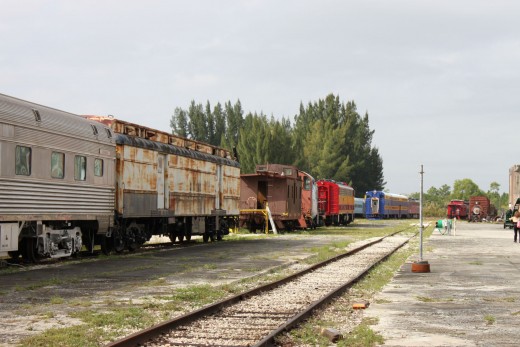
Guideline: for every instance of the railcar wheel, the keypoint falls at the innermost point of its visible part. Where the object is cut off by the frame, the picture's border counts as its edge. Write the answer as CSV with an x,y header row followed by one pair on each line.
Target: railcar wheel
x,y
205,237
119,244
181,237
188,236
88,240
172,236
31,254
106,247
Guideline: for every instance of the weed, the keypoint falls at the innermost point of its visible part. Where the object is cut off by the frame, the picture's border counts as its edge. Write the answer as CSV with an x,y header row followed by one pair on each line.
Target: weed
x,y
477,262
490,320
428,299
361,336
56,300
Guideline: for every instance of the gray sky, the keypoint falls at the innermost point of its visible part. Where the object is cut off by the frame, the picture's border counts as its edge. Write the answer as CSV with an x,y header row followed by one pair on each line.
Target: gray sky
x,y
439,79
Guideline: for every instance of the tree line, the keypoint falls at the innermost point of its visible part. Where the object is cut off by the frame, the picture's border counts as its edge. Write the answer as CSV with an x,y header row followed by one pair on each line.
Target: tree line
x,y
328,138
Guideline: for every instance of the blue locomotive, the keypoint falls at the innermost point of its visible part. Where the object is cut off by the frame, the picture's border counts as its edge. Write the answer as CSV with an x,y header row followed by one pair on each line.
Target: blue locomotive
x,y
380,205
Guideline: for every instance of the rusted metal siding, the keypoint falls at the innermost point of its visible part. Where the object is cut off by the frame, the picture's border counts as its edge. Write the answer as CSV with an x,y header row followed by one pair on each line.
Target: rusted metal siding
x,y
197,182
230,190
192,186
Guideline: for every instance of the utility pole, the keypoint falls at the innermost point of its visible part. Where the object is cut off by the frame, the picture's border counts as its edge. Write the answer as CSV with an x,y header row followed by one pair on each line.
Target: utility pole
x,y
421,227
421,265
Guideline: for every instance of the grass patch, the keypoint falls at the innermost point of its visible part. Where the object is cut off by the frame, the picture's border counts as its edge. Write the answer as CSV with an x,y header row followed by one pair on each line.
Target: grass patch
x,y
490,320
326,252
308,334
56,300
69,337
46,283
477,262
362,336
199,294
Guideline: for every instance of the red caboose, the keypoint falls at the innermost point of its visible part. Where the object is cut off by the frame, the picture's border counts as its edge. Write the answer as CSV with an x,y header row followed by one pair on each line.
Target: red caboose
x,y
278,185
458,209
335,202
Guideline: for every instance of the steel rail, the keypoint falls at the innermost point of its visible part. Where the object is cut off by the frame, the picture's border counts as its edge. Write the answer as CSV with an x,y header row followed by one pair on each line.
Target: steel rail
x,y
143,336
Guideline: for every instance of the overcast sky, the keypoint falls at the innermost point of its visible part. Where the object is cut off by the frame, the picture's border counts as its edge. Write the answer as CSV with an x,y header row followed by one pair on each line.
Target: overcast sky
x,y
440,80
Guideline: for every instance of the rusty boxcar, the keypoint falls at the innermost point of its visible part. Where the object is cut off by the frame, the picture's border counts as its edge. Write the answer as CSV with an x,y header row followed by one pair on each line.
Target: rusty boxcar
x,y
480,208
56,180
169,185
277,185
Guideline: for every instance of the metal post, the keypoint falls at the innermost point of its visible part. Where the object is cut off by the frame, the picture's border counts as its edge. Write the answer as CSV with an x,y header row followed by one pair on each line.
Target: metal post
x,y
421,217
421,265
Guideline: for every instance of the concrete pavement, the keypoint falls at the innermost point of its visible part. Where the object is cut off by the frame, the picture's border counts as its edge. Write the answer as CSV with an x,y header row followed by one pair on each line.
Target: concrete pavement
x,y
471,297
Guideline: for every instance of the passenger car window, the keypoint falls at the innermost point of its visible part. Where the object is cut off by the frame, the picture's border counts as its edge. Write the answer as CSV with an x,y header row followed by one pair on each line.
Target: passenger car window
x,y
57,164
98,167
23,160
80,168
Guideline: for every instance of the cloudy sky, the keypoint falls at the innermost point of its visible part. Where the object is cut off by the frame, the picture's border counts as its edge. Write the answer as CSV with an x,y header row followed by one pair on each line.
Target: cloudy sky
x,y
439,79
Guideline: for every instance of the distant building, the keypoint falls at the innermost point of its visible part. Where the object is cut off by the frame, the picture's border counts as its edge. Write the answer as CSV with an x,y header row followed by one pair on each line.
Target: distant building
x,y
514,184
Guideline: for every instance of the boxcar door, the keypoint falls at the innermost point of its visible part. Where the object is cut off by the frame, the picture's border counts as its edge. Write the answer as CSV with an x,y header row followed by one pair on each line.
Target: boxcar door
x,y
262,194
162,202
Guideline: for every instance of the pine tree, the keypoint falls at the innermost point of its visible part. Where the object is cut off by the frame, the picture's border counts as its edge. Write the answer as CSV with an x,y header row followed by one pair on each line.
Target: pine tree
x,y
179,122
198,125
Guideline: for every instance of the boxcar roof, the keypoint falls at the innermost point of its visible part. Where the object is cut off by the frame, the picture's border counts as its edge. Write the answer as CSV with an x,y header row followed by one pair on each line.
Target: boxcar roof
x,y
144,132
139,142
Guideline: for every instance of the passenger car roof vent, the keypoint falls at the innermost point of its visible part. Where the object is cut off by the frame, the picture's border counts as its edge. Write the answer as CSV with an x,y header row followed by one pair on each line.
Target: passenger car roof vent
x,y
37,116
94,129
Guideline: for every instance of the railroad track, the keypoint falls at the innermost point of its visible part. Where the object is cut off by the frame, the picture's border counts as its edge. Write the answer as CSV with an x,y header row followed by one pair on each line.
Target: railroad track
x,y
256,317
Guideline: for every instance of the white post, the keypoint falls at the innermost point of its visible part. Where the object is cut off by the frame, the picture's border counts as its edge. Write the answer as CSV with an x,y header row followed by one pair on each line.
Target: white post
x,y
271,219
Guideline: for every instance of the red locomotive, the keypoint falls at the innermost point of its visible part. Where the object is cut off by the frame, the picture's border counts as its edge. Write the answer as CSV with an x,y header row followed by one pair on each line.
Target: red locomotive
x,y
335,202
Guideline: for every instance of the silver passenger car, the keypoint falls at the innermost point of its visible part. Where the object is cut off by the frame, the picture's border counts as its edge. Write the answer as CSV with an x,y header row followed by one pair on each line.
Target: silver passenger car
x,y
57,180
